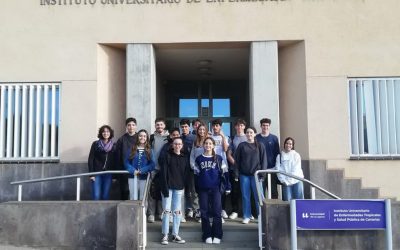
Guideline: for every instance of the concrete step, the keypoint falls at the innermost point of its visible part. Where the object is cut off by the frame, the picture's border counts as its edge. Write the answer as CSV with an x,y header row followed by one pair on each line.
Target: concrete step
x,y
201,245
236,236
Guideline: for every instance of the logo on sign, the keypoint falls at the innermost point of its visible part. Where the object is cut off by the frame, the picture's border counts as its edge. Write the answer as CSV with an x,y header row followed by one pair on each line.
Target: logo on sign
x,y
304,215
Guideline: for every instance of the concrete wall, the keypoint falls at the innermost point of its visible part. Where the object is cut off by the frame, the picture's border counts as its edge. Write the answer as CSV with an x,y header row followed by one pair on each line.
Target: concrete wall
x,y
52,190
60,42
111,88
293,96
277,228
73,225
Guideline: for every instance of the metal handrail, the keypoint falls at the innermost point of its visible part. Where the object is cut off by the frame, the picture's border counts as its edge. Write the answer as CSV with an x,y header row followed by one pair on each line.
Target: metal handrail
x,y
260,196
143,228
312,184
77,176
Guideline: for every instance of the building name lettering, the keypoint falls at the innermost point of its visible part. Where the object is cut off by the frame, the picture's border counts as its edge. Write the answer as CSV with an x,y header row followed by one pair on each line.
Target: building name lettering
x,y
139,2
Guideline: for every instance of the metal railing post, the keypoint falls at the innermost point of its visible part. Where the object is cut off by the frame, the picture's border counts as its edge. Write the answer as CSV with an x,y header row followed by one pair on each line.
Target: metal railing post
x,y
269,186
312,193
20,192
78,189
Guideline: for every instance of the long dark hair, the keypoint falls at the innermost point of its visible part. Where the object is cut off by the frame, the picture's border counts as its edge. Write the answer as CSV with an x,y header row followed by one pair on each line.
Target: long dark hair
x,y
287,139
200,140
147,148
255,132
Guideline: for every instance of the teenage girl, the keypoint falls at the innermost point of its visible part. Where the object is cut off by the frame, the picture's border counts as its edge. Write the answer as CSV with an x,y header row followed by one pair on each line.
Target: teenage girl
x,y
139,164
250,156
212,180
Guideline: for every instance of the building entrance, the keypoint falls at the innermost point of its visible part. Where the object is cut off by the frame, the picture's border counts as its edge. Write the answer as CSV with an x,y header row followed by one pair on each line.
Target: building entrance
x,y
205,82
207,101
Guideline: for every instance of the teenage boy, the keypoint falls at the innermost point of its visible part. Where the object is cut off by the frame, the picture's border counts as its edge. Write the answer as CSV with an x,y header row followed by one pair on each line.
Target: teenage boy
x,y
124,146
240,136
191,199
157,141
221,146
271,144
173,133
195,124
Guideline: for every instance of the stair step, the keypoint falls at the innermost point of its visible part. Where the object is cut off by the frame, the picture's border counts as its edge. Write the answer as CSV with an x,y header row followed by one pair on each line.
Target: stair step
x,y
249,245
236,236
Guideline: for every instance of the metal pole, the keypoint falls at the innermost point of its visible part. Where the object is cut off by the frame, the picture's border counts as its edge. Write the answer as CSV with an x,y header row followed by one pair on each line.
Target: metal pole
x,y
260,238
389,241
312,193
78,189
19,192
269,186
293,225
144,224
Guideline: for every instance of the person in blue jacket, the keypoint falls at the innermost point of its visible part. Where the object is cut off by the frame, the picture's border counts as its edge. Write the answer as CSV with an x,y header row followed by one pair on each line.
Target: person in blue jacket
x,y
212,180
139,164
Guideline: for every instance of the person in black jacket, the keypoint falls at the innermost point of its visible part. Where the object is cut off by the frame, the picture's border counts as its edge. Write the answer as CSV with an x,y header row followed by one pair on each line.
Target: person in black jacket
x,y
124,146
250,156
173,174
102,158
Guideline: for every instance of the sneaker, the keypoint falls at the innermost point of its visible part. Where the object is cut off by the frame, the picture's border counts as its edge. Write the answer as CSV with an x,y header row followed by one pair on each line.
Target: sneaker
x,y
216,241
233,215
224,215
164,240
252,217
150,219
178,239
183,220
246,221
199,220
209,240
222,220
190,213
198,214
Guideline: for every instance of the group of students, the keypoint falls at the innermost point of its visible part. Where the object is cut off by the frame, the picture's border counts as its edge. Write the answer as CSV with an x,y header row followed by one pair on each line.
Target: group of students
x,y
198,167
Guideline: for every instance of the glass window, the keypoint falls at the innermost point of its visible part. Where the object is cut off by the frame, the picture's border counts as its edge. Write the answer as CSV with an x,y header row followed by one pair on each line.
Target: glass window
x,y
188,108
29,120
221,108
374,116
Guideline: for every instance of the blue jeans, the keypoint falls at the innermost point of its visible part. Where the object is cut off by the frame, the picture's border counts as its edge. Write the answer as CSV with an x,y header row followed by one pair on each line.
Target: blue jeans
x,y
248,183
210,206
172,203
294,191
101,187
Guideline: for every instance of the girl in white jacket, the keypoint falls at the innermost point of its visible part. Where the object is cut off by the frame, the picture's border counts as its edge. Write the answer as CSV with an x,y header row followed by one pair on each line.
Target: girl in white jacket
x,y
289,161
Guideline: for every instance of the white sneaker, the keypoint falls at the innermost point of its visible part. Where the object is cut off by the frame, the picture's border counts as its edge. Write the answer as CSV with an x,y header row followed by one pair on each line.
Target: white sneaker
x,y
216,241
224,214
252,217
246,221
164,240
183,220
209,240
233,215
222,220
190,213
178,239
150,219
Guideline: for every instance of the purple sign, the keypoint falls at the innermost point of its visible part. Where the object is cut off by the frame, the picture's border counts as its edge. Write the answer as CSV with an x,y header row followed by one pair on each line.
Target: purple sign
x,y
340,214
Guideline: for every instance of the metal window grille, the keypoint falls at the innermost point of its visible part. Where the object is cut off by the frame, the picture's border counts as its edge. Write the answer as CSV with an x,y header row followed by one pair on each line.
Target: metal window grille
x,y
29,121
375,116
